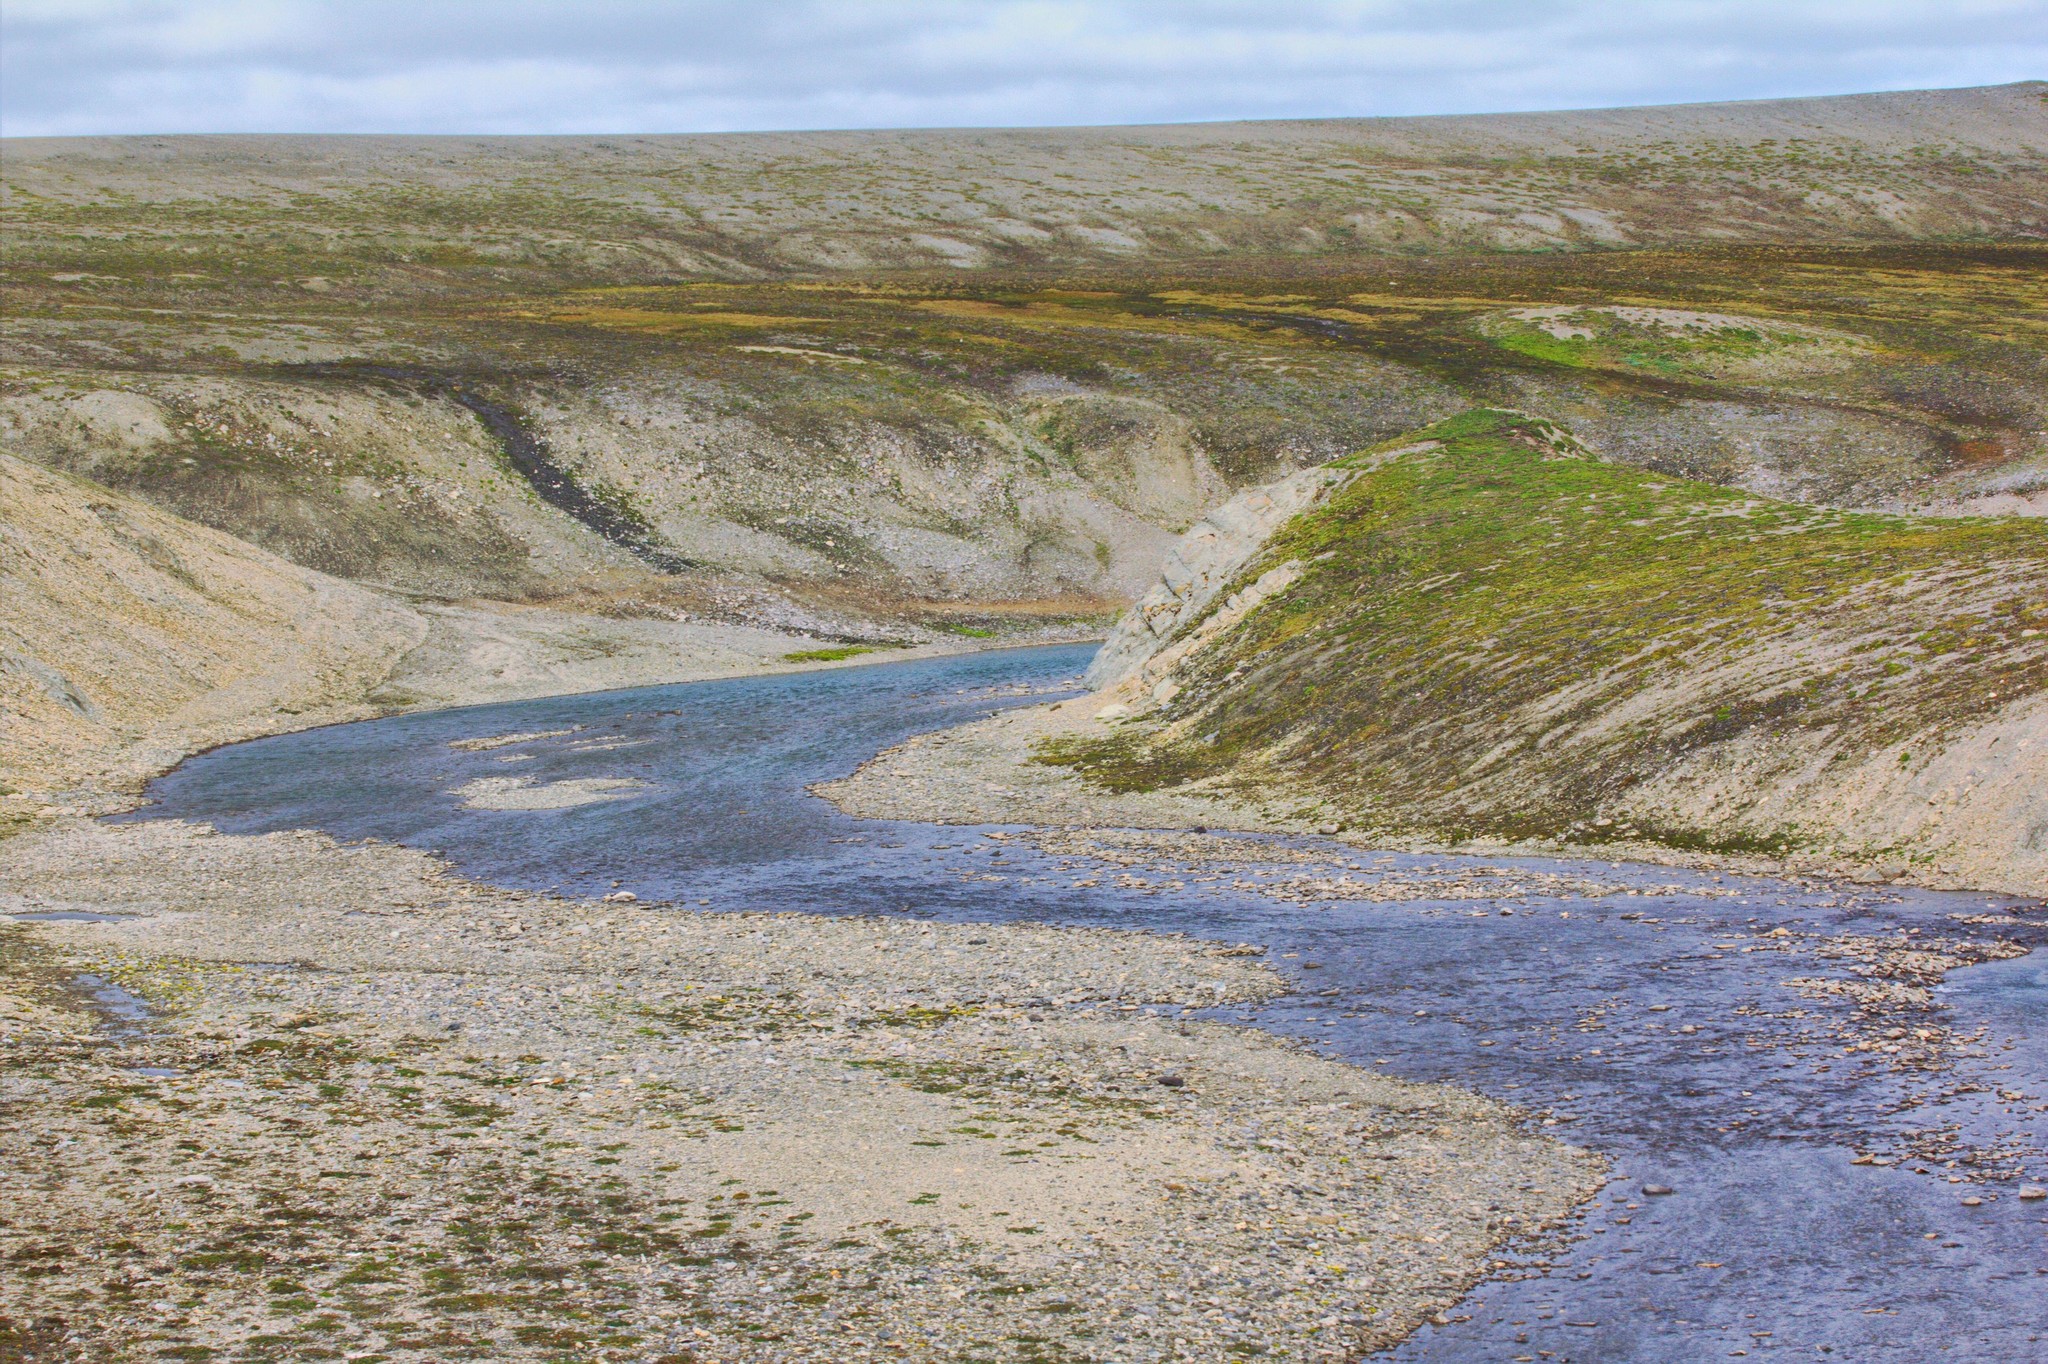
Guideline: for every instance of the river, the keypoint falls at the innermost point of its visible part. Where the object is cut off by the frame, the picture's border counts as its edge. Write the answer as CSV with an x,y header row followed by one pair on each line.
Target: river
x,y
1656,1028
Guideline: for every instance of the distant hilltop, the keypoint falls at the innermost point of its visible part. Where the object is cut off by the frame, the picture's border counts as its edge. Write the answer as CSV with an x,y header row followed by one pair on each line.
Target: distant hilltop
x,y
1905,166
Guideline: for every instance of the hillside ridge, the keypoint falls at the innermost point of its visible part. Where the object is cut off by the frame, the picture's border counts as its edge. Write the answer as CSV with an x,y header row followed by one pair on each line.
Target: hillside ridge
x,y
1908,165
1895,120
1487,633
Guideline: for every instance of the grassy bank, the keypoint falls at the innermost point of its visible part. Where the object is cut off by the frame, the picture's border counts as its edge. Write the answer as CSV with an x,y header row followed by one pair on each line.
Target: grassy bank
x,y
1495,635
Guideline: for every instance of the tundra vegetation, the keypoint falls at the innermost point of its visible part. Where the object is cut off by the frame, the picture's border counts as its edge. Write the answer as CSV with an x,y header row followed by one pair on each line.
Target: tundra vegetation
x,y
906,380
1483,632
1664,444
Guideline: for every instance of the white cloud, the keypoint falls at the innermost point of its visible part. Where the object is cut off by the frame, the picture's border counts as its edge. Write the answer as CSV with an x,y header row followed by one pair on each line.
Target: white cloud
x,y
513,66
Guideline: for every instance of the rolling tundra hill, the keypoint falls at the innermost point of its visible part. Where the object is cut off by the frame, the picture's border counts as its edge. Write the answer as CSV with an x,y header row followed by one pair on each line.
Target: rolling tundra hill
x,y
880,388
654,368
400,213
1478,631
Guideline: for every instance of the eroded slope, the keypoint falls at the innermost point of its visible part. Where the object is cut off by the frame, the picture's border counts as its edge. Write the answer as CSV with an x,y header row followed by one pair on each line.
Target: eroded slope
x,y
130,637
1485,633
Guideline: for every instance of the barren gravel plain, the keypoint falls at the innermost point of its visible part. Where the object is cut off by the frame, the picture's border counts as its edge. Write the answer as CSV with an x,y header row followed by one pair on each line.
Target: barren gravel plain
x,y
277,1098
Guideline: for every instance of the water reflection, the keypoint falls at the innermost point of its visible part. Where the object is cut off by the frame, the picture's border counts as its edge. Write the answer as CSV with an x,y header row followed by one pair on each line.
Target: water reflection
x,y
1653,1014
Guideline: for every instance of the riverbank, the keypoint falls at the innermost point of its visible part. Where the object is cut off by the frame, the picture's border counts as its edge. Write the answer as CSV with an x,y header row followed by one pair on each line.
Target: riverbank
x,y
989,772
201,639
377,1108
1482,630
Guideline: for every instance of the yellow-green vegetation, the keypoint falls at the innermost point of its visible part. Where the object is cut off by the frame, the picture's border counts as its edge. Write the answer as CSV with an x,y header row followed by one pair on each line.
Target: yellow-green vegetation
x,y
402,216
832,655
1494,634
1671,343
894,374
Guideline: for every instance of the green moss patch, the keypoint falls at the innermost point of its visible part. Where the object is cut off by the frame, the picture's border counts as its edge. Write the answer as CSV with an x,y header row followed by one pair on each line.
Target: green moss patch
x,y
1480,621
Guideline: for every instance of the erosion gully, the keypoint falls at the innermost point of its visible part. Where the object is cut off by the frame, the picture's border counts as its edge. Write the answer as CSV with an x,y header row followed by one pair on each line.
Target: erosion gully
x,y
1656,1028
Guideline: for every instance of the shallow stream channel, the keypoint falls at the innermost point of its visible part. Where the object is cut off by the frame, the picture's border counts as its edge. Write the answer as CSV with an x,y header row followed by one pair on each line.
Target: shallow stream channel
x,y
1819,1122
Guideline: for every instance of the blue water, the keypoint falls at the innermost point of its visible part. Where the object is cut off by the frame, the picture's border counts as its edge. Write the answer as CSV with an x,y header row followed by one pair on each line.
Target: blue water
x,y
1772,1243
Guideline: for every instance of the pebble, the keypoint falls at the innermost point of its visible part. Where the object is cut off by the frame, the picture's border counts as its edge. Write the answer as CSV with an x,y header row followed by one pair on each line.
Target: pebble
x,y
621,1065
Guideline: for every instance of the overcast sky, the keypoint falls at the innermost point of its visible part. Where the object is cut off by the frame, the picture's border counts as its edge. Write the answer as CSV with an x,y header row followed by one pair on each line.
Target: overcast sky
x,y
587,66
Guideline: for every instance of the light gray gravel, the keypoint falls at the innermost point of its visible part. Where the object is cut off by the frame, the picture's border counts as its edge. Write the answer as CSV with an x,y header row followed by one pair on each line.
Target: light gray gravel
x,y
387,1112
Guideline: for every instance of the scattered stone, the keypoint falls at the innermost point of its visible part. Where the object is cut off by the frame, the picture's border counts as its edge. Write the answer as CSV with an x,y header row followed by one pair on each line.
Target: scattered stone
x,y
524,793
491,741
709,1116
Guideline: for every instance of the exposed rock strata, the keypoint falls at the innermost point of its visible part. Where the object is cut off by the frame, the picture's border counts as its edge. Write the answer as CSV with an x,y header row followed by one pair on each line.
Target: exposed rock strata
x,y
1206,559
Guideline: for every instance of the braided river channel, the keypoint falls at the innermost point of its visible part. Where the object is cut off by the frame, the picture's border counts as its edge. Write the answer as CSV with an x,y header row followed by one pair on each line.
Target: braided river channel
x,y
1841,1185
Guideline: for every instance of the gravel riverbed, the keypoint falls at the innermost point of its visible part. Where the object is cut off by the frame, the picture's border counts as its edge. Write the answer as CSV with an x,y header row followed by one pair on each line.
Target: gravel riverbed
x,y
987,1103
277,1097
1822,1100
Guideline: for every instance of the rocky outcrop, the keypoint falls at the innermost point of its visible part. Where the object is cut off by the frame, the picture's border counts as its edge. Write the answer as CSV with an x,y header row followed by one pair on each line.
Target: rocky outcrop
x,y
1204,561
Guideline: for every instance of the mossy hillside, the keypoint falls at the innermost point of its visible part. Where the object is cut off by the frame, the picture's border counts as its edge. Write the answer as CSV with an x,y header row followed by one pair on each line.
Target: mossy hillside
x,y
1475,619
1671,343
811,431
1926,358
